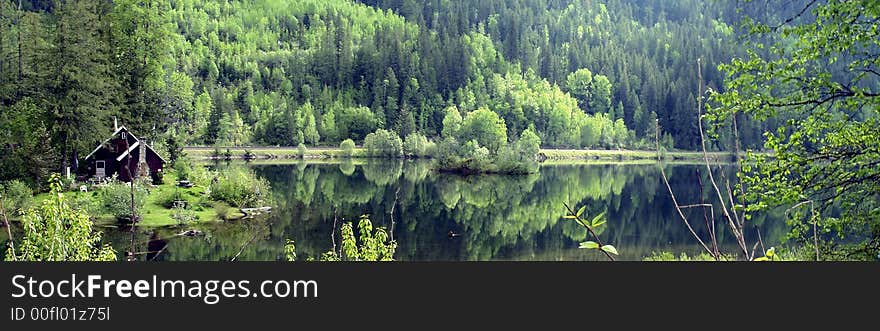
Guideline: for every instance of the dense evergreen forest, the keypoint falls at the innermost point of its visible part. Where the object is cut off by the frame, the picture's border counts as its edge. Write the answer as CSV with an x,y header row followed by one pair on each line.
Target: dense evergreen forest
x,y
582,74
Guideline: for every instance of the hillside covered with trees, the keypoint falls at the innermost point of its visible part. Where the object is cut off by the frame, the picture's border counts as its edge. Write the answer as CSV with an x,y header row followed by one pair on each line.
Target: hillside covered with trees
x,y
581,74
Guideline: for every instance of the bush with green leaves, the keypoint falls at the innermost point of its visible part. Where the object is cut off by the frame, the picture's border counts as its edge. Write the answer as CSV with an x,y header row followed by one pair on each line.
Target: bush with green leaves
x,y
168,198
383,143
15,196
182,214
416,145
466,159
56,231
347,147
116,198
519,157
240,187
368,245
486,127
514,158
183,168
684,257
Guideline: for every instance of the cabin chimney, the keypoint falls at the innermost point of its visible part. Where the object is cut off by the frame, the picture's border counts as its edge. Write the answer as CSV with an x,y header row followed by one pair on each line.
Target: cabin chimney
x,y
115,124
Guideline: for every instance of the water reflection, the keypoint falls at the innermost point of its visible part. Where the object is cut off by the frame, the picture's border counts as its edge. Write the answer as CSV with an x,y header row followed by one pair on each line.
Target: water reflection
x,y
448,217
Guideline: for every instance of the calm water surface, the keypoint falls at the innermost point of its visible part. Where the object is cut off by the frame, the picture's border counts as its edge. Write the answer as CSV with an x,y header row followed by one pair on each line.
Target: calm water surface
x,y
492,217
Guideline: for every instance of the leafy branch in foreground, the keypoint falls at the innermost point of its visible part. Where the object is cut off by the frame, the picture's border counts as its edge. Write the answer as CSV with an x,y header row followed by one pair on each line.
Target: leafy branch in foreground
x,y
55,231
368,245
815,73
596,222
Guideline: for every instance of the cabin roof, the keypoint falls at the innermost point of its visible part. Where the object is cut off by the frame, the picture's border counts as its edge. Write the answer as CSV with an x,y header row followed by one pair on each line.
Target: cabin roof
x,y
131,148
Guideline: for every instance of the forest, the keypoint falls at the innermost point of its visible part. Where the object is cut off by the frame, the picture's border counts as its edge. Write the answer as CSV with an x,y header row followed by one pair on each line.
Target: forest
x,y
582,74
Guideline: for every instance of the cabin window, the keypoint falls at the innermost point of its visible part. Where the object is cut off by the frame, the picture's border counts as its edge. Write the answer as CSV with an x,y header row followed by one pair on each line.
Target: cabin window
x,y
123,136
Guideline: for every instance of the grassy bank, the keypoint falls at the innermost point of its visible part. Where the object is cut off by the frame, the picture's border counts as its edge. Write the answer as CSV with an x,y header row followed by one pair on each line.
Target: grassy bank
x,y
633,155
263,153
154,213
270,153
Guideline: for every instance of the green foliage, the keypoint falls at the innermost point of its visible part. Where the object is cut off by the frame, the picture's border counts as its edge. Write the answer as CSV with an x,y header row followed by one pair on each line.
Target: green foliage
x,y
580,85
16,197
356,123
368,245
806,77
240,187
520,157
770,255
669,257
594,227
347,147
26,155
417,145
183,169
485,127
383,143
308,71
289,250
182,214
54,231
451,122
116,198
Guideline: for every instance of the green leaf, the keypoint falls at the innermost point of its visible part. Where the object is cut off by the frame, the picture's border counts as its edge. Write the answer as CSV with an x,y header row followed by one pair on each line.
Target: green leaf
x,y
763,258
589,245
598,224
597,219
569,217
610,249
771,252
581,211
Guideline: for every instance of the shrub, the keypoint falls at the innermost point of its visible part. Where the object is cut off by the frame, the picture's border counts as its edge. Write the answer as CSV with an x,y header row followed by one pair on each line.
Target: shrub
x,y
87,203
183,169
368,245
476,157
447,153
383,143
519,158
16,196
347,147
182,215
240,187
115,197
415,145
166,199
200,175
55,231
669,257
486,127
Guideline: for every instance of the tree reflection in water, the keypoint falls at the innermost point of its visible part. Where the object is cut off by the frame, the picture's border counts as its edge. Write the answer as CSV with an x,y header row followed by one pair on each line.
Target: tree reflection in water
x,y
491,217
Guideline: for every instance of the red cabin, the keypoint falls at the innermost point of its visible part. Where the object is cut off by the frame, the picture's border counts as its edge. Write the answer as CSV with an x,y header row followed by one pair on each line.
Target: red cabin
x,y
110,157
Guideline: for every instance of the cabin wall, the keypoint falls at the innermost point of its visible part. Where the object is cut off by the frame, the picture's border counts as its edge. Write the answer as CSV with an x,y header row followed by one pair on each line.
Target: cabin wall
x,y
115,147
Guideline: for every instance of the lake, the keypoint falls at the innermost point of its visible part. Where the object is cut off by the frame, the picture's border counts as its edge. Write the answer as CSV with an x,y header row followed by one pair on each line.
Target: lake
x,y
446,217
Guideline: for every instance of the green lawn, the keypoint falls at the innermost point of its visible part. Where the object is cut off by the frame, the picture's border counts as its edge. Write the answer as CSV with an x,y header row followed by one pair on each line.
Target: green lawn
x,y
153,213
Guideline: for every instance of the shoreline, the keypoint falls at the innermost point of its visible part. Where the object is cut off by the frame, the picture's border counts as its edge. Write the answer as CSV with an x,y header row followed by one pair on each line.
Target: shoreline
x,y
292,153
